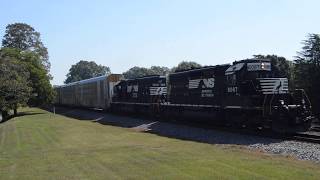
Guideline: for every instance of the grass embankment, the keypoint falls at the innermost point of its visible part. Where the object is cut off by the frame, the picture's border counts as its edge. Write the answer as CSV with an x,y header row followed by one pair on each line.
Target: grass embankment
x,y
46,146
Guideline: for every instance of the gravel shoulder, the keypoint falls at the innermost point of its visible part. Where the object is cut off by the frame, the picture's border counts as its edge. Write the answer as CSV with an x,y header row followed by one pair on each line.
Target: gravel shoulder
x,y
299,150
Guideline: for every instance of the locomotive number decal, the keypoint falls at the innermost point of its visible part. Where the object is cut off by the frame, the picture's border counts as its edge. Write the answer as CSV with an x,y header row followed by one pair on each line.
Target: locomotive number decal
x,y
259,66
232,89
206,83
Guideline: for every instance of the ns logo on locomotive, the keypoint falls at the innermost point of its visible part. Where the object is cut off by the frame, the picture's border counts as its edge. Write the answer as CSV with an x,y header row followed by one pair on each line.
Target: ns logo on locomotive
x,y
248,93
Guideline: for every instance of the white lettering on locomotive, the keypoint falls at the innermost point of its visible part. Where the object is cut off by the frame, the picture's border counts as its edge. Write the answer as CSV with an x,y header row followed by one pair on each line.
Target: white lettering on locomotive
x,y
207,93
154,91
207,83
133,88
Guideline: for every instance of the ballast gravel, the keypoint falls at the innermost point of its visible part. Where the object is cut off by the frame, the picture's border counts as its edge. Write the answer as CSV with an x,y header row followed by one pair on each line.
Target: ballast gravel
x,y
300,150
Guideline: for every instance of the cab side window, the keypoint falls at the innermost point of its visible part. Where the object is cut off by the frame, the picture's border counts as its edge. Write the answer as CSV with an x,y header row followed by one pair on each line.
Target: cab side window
x,y
232,79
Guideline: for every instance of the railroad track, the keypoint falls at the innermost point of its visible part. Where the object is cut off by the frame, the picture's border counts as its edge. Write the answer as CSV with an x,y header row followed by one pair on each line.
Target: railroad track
x,y
315,129
311,136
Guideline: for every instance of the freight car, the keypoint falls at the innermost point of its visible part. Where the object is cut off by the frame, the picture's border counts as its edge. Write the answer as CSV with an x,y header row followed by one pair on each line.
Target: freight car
x,y
90,93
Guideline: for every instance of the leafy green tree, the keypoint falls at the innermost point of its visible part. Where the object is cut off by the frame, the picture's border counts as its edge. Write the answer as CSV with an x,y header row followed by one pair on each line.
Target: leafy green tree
x,y
15,87
160,70
136,72
42,91
85,70
24,37
307,69
186,65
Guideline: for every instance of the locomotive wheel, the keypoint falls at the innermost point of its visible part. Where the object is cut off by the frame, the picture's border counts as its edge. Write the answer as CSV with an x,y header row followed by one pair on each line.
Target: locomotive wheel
x,y
235,119
279,122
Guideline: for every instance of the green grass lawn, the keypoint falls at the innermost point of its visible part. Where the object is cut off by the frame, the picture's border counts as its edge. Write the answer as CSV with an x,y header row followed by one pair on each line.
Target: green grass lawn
x,y
46,146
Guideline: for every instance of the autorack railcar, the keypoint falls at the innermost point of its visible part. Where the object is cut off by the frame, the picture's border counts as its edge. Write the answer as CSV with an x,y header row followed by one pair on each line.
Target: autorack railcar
x,y
91,93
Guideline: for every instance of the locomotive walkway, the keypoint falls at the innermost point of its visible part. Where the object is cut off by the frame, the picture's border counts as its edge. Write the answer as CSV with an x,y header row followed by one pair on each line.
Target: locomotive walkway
x,y
82,144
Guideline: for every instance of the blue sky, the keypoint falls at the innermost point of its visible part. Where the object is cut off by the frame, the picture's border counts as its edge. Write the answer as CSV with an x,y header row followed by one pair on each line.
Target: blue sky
x,y
122,34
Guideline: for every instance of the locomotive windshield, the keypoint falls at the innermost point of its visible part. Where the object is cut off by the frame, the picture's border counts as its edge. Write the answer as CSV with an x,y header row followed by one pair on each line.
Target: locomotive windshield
x,y
234,68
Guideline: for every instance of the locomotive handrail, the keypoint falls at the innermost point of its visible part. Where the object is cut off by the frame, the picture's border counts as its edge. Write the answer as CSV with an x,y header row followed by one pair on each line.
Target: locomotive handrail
x,y
264,102
270,110
305,95
253,85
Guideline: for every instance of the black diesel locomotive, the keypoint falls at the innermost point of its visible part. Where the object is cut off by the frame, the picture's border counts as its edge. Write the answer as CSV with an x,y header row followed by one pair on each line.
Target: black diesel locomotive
x,y
246,93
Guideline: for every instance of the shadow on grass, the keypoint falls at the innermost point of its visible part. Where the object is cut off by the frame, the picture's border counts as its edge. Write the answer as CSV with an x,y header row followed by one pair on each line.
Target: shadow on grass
x,y
23,113
166,129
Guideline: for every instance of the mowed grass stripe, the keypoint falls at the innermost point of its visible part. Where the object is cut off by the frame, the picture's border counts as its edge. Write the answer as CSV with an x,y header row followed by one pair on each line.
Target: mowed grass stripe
x,y
2,137
10,140
47,146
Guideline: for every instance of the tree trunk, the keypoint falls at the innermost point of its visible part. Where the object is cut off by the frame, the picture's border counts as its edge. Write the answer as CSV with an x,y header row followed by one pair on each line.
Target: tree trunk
x,y
4,115
15,111
1,116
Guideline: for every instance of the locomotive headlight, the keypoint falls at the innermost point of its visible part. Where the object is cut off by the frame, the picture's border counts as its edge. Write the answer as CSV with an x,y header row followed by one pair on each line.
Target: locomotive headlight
x,y
303,104
281,102
262,65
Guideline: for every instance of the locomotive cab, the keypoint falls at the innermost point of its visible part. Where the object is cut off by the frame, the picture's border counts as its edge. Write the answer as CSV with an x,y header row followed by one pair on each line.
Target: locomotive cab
x,y
255,84
243,77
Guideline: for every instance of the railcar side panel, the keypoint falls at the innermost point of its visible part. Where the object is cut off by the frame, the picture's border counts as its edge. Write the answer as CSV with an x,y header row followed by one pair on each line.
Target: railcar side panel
x,y
141,90
203,86
68,95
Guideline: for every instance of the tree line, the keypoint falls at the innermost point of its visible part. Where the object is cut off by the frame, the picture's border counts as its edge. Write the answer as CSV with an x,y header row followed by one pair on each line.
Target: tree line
x,y
89,69
24,69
